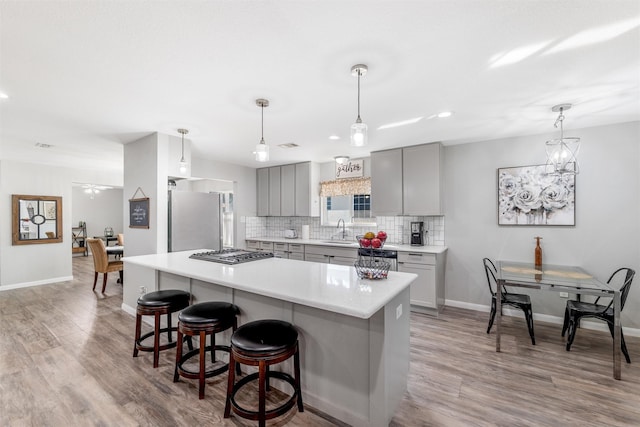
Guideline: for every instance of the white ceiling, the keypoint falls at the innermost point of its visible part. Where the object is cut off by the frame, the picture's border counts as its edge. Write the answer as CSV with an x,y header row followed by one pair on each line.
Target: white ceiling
x,y
90,76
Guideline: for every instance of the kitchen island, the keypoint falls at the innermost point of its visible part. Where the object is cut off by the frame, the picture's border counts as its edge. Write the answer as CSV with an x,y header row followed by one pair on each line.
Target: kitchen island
x,y
354,333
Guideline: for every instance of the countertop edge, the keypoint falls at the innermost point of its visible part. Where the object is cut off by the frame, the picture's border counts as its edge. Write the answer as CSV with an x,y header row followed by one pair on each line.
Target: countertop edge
x,y
354,245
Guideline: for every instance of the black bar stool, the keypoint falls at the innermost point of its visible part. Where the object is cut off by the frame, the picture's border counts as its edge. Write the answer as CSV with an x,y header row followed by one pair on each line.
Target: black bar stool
x,y
202,319
263,343
156,304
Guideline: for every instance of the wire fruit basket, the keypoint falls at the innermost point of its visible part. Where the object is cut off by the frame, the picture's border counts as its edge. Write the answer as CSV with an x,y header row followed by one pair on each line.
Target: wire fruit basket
x,y
370,269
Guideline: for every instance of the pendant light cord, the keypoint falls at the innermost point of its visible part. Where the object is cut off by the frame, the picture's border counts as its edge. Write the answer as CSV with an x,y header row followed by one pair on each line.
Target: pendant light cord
x,y
359,120
262,123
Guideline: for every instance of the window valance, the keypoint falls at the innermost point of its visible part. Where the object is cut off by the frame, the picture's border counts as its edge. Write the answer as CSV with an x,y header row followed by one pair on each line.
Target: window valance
x,y
345,187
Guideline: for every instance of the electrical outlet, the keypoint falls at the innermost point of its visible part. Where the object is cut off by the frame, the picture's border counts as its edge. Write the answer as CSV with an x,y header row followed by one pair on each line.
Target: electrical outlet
x,y
398,311
564,294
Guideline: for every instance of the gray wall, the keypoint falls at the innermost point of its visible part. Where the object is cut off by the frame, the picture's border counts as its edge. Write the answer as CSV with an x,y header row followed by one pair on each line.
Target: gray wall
x,y
40,263
606,235
104,210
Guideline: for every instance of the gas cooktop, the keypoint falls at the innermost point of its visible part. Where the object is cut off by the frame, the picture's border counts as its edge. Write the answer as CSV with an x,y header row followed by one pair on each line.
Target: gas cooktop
x,y
231,256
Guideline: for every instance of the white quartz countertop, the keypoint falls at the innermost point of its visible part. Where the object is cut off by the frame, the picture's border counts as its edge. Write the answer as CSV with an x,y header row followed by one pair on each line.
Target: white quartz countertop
x,y
352,244
330,287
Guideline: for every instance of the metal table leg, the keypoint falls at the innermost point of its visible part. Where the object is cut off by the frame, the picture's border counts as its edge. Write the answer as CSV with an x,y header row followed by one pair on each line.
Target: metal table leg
x,y
500,285
616,335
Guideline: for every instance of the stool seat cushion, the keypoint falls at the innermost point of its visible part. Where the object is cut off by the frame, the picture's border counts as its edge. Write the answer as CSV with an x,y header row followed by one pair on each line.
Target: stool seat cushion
x,y
264,336
169,297
209,312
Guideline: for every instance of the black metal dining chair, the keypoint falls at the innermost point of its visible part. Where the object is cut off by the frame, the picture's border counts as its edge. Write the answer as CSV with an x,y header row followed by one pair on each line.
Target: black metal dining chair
x,y
576,310
521,301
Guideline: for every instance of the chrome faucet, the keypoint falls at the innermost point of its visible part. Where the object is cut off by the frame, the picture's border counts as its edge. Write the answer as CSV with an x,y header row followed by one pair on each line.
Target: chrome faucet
x,y
344,233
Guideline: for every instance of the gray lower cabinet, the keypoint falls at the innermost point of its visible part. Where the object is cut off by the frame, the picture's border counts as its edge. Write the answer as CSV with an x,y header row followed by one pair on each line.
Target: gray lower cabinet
x,y
296,251
330,255
427,291
253,245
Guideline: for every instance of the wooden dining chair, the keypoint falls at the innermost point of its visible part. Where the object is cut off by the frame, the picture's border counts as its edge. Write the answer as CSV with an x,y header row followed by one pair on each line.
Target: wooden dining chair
x,y
576,310
521,301
120,238
101,262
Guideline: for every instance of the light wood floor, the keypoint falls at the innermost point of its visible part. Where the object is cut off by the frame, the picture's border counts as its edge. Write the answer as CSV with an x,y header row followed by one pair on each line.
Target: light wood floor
x,y
65,360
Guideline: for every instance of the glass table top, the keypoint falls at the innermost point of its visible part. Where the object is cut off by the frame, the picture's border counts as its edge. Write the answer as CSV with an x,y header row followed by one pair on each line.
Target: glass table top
x,y
548,274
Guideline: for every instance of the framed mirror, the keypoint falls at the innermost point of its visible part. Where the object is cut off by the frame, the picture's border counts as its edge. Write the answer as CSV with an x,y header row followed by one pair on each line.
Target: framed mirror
x,y
36,219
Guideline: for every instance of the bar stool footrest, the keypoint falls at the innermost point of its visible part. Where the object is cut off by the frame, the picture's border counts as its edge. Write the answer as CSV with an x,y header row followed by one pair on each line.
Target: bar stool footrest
x,y
272,413
196,374
170,344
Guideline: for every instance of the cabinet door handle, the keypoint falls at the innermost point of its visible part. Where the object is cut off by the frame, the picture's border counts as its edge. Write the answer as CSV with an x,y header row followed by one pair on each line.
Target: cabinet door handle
x,y
411,254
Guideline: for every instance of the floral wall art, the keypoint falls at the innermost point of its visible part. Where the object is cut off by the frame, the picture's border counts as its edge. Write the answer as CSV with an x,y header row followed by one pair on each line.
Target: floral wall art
x,y
528,195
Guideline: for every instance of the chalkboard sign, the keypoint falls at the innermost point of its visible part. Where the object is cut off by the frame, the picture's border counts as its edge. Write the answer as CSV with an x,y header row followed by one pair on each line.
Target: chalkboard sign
x,y
139,213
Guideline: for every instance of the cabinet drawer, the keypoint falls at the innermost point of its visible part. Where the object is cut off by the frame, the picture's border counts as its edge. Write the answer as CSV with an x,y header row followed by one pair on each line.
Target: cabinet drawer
x,y
417,258
277,246
296,247
267,246
253,244
296,255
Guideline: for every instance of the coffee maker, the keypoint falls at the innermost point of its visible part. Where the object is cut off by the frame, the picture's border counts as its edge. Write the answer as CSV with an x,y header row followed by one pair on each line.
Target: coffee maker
x,y
417,233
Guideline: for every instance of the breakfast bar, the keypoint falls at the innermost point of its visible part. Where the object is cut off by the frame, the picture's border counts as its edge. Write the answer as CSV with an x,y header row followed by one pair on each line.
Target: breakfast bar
x,y
354,333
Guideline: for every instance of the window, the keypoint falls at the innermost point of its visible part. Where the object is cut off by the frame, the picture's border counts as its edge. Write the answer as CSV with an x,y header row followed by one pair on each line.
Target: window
x,y
353,209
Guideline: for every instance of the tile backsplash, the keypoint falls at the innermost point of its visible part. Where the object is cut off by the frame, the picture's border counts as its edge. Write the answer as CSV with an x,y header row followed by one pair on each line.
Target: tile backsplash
x,y
398,228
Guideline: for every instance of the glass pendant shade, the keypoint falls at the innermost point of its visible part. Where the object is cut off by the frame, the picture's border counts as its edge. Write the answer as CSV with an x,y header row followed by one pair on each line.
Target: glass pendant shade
x,y
262,152
183,165
358,134
562,155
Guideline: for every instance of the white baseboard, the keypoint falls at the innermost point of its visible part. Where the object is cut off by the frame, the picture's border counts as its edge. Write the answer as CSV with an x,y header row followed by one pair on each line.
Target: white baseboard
x,y
37,283
597,326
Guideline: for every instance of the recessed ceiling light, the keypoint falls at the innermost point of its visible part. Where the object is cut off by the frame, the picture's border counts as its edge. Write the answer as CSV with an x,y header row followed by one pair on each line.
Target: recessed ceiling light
x,y
289,145
402,123
444,114
334,137
4,95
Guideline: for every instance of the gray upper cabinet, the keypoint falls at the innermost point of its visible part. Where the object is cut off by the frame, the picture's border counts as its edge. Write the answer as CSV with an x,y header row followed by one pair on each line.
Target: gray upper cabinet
x,y
263,191
407,181
422,185
274,191
287,190
386,182
307,201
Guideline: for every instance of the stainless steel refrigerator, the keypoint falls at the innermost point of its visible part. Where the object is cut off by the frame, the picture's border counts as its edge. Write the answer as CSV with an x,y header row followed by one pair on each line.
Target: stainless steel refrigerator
x,y
195,221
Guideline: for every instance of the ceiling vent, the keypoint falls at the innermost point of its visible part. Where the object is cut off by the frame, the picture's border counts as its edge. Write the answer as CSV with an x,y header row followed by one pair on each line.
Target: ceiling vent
x,y
289,145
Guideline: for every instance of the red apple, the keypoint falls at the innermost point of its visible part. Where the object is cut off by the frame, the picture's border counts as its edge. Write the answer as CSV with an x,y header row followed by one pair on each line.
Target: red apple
x,y
376,243
382,235
365,243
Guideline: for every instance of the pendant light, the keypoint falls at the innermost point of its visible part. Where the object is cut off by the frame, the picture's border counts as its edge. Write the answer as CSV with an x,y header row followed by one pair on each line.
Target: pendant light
x,y
341,160
183,162
262,149
359,129
562,153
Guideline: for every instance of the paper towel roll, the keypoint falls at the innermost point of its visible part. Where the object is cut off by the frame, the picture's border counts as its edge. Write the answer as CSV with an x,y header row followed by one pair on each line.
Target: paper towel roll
x,y
305,232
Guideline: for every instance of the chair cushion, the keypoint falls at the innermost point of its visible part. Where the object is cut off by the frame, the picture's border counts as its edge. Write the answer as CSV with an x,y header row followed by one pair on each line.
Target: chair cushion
x,y
170,297
263,336
209,312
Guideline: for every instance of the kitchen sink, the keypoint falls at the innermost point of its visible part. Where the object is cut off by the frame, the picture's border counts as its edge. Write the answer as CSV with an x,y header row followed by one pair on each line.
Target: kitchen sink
x,y
340,242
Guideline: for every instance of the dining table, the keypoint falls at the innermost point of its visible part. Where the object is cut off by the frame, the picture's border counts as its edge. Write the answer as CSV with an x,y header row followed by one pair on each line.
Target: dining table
x,y
117,251
558,278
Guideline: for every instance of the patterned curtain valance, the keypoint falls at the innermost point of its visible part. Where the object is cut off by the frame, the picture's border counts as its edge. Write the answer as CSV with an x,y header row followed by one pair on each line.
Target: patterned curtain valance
x,y
345,187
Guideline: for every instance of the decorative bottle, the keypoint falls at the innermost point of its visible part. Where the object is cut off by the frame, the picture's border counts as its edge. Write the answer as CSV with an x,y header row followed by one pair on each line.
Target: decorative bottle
x,y
538,253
